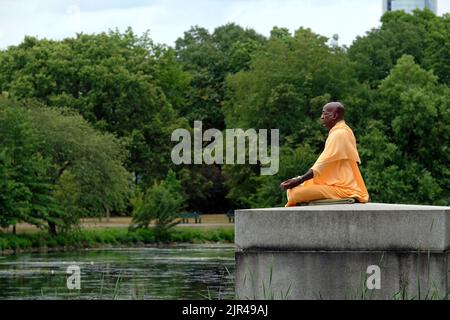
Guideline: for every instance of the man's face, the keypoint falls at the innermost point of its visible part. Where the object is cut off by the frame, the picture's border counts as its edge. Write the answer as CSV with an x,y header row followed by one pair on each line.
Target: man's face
x,y
328,117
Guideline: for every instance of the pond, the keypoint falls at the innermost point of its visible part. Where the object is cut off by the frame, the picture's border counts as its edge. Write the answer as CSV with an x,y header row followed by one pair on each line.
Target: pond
x,y
175,272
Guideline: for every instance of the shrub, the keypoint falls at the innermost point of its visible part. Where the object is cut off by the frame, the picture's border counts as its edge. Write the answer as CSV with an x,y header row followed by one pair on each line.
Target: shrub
x,y
161,203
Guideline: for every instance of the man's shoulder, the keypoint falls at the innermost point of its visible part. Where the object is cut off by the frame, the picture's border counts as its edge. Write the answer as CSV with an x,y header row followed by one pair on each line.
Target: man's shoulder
x,y
341,132
342,125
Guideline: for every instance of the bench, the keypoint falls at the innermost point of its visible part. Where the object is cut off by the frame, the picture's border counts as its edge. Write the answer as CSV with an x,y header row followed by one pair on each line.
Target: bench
x,y
230,216
190,215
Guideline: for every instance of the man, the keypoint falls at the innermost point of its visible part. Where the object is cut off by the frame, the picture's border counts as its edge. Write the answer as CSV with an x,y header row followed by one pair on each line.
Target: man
x,y
335,175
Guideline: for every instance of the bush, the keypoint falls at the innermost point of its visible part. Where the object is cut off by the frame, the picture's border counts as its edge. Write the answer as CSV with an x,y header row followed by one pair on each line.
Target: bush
x,y
162,202
90,238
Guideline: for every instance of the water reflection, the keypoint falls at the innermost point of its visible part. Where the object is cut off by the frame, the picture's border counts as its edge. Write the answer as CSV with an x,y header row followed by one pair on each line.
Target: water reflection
x,y
179,272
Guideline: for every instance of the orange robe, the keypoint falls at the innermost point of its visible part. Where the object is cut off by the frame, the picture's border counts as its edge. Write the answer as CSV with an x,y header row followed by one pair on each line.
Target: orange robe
x,y
336,172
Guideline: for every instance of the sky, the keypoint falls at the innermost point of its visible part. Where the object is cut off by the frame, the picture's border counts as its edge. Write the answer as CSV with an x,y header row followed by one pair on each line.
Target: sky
x,y
169,19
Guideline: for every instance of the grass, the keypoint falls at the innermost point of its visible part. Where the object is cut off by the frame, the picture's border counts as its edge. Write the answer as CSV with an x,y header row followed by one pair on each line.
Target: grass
x,y
223,279
112,236
123,222
265,291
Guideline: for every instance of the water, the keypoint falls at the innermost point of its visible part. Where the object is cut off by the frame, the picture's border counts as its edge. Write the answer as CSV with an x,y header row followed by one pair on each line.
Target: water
x,y
179,272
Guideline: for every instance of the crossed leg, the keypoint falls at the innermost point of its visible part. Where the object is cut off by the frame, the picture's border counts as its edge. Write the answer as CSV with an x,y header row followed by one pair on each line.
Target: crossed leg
x,y
310,192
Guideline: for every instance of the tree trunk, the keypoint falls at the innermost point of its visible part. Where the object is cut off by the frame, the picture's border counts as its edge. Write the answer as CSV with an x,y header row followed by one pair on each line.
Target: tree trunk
x,y
14,229
107,214
52,228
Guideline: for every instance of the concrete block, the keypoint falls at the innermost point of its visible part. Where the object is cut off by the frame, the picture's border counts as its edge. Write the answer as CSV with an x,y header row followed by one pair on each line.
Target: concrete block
x,y
340,275
371,226
327,252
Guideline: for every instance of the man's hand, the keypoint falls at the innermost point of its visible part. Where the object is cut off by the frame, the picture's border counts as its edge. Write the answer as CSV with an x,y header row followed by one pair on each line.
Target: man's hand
x,y
291,183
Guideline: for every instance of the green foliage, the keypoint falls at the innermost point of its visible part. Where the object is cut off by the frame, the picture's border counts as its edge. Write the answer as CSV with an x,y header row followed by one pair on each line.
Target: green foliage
x,y
204,187
86,165
268,192
423,35
56,166
287,83
119,82
413,124
209,58
99,237
26,190
199,236
77,115
162,202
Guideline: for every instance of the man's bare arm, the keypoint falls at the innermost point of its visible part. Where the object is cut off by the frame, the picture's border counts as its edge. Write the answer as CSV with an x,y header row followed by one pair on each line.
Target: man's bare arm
x,y
307,176
292,183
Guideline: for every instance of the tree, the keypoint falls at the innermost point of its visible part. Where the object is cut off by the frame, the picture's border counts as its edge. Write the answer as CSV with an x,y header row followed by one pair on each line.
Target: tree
x,y
82,159
26,192
161,202
119,82
288,81
209,58
204,187
55,166
406,150
422,35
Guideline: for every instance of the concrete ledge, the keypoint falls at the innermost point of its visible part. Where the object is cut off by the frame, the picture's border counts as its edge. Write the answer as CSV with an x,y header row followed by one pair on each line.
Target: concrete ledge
x,y
371,226
331,275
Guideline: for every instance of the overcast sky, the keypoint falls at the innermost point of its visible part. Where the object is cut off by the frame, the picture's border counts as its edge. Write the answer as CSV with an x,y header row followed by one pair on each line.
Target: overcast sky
x,y
168,19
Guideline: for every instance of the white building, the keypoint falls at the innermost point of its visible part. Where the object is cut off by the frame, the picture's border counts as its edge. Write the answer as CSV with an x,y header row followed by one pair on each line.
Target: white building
x,y
409,5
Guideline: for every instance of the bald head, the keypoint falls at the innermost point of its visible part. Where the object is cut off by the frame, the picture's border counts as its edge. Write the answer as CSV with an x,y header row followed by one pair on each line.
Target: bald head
x,y
336,107
332,113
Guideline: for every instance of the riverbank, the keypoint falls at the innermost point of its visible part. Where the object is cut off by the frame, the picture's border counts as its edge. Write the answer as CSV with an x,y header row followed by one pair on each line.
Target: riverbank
x,y
95,238
208,220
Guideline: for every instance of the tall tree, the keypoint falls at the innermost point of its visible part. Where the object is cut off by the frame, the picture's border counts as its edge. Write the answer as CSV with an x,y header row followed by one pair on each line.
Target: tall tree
x,y
117,81
26,191
209,58
422,35
405,150
81,156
